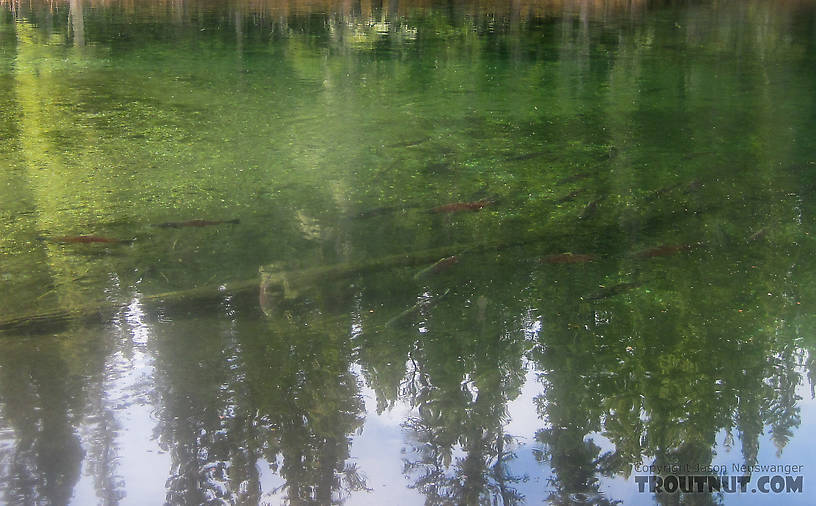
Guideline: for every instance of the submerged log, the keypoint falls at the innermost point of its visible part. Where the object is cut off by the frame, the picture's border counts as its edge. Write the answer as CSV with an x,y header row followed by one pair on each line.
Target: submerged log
x,y
407,316
56,320
291,282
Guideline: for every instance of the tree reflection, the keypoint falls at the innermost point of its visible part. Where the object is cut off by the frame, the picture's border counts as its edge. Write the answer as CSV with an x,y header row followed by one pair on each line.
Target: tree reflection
x,y
41,403
572,365
260,394
658,386
647,353
460,451
315,406
482,474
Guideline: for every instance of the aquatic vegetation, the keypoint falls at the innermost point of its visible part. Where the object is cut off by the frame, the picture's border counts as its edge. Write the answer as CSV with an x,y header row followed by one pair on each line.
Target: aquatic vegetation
x,y
665,250
589,209
441,348
527,156
88,239
567,258
611,291
461,206
196,223
573,178
569,197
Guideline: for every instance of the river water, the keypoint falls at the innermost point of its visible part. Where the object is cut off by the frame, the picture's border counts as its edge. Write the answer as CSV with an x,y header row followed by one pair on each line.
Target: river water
x,y
267,252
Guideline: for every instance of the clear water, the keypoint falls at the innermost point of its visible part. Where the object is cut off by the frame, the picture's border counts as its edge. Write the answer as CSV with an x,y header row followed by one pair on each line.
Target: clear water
x,y
618,196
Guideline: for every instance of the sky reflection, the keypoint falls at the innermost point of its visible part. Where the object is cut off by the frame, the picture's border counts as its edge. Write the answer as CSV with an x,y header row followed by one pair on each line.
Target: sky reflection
x,y
431,253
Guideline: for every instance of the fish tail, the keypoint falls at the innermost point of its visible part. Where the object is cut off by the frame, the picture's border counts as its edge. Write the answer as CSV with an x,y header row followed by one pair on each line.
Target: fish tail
x,y
236,221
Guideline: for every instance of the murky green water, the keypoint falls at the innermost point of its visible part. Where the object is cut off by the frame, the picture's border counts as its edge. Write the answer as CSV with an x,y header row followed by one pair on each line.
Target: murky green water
x,y
461,253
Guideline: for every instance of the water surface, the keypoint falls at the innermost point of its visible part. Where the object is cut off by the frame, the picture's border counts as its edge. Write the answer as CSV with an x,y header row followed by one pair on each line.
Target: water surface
x,y
455,253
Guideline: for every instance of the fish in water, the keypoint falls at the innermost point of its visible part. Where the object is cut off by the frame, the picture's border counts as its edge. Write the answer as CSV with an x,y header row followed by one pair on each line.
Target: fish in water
x,y
439,266
461,206
567,258
196,223
88,239
665,250
610,291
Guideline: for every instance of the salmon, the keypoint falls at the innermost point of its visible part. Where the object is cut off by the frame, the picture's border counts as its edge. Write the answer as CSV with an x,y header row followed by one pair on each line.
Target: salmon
x,y
196,223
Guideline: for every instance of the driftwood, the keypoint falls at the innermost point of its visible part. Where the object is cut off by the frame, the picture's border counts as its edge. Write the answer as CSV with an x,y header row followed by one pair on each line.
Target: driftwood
x,y
56,320
290,282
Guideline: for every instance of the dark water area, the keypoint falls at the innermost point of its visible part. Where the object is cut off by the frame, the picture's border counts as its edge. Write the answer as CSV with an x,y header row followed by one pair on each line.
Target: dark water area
x,y
260,252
